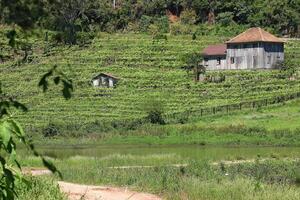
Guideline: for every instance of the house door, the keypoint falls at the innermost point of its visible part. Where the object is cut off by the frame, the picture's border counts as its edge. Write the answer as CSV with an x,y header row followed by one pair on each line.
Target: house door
x,y
255,62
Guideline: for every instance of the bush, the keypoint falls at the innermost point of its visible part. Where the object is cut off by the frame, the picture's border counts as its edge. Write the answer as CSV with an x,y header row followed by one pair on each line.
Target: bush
x,y
51,130
297,177
225,18
155,111
217,78
132,27
163,24
220,30
287,68
153,30
81,38
84,38
188,17
144,23
181,29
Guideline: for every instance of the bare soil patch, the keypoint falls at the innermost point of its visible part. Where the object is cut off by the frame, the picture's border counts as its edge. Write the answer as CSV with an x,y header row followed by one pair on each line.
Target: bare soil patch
x,y
90,192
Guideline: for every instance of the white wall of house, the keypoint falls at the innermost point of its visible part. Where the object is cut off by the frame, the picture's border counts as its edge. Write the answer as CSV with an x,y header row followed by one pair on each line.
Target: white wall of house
x,y
259,55
215,62
110,82
96,82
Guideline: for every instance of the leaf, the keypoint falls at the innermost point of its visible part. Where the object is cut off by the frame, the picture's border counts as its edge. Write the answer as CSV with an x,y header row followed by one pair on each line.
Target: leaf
x,y
2,161
57,80
51,167
43,82
17,129
5,133
19,105
68,87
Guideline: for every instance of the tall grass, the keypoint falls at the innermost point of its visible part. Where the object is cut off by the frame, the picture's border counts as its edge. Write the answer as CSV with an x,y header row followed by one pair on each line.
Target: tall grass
x,y
276,179
39,189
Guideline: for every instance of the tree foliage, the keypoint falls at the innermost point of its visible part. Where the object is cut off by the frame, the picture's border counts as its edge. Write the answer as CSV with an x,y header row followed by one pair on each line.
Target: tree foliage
x,y
70,16
11,132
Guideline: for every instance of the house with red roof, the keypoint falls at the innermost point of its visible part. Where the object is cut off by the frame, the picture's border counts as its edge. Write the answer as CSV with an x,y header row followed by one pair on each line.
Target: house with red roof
x,y
252,49
105,80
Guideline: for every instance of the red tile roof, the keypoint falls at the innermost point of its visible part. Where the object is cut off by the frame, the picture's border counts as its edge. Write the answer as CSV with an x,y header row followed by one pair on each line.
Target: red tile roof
x,y
106,74
255,35
215,50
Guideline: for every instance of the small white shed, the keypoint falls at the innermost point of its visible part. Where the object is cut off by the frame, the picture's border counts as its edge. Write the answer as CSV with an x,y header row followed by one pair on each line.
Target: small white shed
x,y
105,80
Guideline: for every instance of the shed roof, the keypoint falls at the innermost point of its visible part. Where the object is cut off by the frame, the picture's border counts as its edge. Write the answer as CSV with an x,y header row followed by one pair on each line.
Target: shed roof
x,y
106,74
255,35
214,50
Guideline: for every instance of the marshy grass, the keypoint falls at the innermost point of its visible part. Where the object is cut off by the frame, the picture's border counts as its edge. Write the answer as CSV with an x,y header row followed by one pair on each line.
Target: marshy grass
x,y
200,179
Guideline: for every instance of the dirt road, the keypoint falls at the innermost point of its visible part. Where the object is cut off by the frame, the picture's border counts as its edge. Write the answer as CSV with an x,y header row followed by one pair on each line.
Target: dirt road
x,y
89,192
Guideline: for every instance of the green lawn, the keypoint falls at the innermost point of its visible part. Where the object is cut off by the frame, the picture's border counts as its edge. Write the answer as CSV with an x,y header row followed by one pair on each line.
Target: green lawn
x,y
285,116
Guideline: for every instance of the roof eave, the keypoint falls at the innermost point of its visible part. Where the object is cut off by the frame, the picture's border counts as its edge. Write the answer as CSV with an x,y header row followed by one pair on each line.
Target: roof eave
x,y
231,42
214,54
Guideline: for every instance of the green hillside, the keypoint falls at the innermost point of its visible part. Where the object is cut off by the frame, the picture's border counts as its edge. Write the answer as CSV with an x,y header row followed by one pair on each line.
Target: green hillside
x,y
149,69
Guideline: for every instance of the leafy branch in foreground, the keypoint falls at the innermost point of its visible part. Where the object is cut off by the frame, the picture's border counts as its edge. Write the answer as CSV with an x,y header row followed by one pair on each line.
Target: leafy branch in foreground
x,y
59,77
10,132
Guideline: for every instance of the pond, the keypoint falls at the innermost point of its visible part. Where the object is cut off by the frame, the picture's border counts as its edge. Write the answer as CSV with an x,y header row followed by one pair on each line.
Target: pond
x,y
184,151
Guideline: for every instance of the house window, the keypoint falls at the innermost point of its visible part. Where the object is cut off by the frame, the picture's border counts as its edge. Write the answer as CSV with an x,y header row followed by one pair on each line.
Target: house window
x,y
232,60
205,61
218,61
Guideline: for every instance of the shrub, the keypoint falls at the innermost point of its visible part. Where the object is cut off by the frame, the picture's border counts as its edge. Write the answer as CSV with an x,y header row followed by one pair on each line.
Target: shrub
x,y
153,30
220,30
181,29
51,130
144,23
188,17
132,27
155,111
84,38
163,24
225,18
287,68
297,177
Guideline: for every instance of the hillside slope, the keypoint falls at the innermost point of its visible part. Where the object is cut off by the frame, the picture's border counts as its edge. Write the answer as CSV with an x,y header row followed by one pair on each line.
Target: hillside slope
x,y
148,70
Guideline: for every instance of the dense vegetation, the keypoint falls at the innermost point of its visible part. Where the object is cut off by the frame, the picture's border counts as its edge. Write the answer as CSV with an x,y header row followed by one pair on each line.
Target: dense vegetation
x,y
149,42
70,16
149,69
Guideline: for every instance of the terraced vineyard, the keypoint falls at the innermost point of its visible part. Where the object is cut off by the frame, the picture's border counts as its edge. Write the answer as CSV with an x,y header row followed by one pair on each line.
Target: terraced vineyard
x,y
148,70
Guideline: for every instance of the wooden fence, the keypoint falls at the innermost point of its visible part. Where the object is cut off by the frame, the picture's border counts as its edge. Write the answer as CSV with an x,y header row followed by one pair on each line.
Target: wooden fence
x,y
224,109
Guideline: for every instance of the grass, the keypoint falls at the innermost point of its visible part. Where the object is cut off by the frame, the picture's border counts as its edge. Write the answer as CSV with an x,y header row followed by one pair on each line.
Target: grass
x,y
39,189
152,70
263,179
271,126
148,70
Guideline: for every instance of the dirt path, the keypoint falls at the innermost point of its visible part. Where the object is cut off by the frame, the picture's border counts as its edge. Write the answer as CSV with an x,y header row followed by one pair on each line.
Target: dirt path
x,y
89,192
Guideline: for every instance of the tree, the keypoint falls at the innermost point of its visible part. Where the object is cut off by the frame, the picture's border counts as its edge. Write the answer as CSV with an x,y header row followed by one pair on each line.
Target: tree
x,y
225,18
70,17
154,109
193,61
24,13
